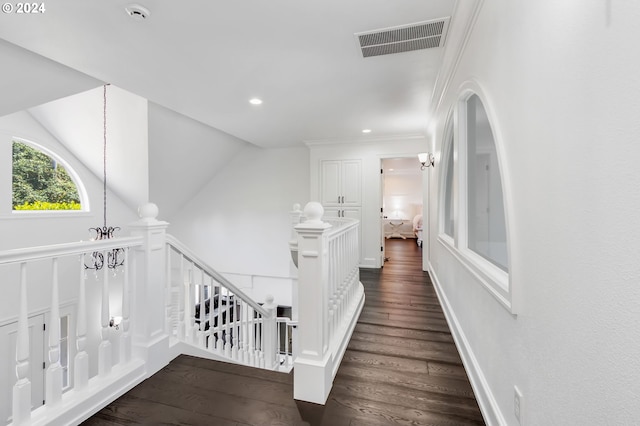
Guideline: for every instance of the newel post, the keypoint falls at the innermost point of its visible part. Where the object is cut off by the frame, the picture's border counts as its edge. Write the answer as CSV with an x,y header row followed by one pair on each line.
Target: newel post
x,y
270,334
150,341
312,370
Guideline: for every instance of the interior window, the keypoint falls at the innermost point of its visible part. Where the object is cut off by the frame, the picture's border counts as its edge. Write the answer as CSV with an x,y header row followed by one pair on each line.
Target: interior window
x,y
487,234
40,182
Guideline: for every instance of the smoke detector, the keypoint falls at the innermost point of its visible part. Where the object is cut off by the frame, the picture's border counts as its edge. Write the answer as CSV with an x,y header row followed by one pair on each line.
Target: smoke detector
x,y
137,12
404,38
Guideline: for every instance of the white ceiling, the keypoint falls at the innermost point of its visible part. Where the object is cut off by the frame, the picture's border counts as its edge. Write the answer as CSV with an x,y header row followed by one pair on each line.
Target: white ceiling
x,y
205,59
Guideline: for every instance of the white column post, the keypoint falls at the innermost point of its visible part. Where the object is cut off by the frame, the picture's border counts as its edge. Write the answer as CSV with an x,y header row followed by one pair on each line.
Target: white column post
x,y
312,368
21,409
53,379
270,334
150,341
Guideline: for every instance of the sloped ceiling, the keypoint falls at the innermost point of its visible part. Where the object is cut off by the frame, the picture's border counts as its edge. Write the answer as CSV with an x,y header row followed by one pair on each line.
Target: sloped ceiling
x,y
77,122
205,59
28,80
184,154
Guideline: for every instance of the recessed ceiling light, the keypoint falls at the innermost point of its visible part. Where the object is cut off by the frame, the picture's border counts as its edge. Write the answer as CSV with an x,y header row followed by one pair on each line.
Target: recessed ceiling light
x,y
137,12
366,131
255,101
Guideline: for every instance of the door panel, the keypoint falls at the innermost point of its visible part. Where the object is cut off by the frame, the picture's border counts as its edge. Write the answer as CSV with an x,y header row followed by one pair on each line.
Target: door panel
x,y
351,178
330,183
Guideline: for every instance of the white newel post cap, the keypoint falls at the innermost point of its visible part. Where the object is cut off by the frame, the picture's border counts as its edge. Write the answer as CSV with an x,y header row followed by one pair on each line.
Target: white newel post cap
x,y
148,212
313,211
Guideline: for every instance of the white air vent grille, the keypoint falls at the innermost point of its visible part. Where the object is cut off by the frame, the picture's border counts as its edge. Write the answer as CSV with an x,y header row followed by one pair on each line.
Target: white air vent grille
x,y
422,35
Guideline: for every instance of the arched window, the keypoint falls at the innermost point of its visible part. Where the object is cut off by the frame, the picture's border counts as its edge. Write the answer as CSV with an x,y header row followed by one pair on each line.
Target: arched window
x,y
41,181
472,204
487,233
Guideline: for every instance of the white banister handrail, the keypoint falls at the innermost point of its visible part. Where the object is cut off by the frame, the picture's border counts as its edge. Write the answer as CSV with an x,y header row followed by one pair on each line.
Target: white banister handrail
x,y
66,249
176,244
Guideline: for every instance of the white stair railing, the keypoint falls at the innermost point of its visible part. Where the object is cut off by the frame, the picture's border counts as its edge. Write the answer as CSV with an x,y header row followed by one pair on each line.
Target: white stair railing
x,y
330,298
159,297
207,311
60,408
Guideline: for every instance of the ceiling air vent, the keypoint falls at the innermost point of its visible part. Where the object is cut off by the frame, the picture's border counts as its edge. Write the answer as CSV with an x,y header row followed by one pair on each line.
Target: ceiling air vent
x,y
405,38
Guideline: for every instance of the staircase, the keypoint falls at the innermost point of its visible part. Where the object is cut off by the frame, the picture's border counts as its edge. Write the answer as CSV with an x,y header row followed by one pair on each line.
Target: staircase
x,y
124,324
231,327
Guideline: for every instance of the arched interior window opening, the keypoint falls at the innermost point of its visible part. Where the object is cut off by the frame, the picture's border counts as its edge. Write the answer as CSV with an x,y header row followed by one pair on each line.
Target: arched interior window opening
x,y
487,234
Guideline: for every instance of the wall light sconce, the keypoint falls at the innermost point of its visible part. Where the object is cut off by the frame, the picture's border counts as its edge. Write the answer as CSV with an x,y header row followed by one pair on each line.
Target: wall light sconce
x,y
426,159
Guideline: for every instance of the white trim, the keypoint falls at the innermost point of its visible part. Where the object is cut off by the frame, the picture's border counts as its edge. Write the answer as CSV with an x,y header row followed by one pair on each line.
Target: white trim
x,y
448,146
484,396
494,281
439,94
41,214
363,141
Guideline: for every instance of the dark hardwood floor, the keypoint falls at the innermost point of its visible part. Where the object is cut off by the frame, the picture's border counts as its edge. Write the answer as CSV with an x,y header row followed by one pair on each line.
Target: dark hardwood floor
x,y
401,368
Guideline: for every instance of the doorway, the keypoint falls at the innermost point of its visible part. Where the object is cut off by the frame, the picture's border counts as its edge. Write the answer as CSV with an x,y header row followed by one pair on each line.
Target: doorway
x,y
401,201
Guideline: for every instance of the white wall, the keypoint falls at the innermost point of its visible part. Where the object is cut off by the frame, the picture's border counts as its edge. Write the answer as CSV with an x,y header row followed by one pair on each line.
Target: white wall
x,y
239,222
371,154
560,82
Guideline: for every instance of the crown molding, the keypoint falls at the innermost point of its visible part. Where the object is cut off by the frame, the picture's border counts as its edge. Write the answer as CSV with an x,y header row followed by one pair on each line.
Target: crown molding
x,y
365,141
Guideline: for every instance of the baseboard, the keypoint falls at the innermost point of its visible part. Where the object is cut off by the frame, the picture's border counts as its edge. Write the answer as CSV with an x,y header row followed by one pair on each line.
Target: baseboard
x,y
485,398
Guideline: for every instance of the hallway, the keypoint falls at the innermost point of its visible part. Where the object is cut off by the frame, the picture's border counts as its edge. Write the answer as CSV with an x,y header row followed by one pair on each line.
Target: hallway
x,y
401,367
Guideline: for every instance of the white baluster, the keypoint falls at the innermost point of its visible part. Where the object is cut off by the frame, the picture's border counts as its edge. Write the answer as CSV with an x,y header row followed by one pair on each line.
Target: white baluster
x,y
260,341
168,311
181,303
201,337
212,318
125,338
21,409
235,329
191,304
217,293
232,330
81,360
251,314
104,350
53,393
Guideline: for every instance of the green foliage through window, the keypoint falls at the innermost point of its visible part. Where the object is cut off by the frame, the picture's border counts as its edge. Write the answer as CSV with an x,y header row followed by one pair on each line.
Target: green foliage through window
x,y
40,183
